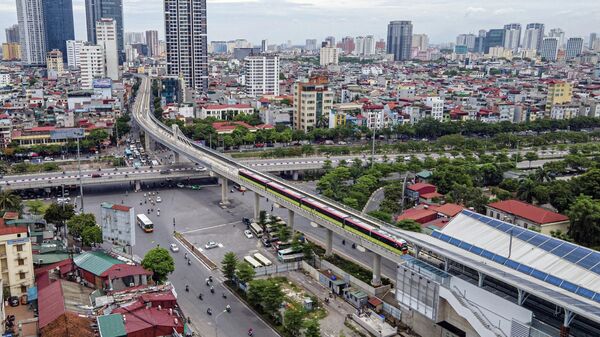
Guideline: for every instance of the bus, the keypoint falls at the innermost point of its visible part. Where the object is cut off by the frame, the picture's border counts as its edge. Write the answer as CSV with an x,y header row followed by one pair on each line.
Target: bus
x,y
256,229
145,223
289,255
251,261
262,259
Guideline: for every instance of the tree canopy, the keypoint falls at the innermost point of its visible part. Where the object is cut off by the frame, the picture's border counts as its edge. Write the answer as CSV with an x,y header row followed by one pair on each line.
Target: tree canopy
x,y
160,262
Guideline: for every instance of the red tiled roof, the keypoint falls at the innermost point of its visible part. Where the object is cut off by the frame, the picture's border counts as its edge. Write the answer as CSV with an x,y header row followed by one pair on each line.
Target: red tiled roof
x,y
51,304
6,230
122,270
151,322
374,301
10,215
431,195
449,210
121,208
528,211
419,215
419,186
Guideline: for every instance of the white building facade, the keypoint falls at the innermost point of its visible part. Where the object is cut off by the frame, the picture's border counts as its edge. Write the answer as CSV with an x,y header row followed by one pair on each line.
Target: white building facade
x,y
329,55
32,33
73,51
91,60
262,75
106,36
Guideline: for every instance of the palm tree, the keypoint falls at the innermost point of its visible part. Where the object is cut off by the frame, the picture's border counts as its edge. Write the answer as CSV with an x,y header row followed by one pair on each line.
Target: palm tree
x,y
541,175
525,190
10,201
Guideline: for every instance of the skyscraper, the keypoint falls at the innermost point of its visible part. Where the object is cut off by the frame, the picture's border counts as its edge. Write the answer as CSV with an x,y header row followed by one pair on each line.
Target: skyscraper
x,y
187,48
559,34
311,44
593,38
262,75
58,23
399,39
493,38
152,42
106,37
420,41
549,48
331,41
467,40
512,36
110,9
347,45
480,41
30,15
12,34
574,47
264,46
534,34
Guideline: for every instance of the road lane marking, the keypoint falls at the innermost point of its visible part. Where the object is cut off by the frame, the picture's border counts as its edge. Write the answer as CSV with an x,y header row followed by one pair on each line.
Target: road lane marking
x,y
212,227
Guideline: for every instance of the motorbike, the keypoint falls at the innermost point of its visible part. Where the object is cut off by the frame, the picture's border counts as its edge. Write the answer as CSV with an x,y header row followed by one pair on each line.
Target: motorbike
x,y
224,295
187,288
200,297
228,308
189,262
250,332
212,290
208,311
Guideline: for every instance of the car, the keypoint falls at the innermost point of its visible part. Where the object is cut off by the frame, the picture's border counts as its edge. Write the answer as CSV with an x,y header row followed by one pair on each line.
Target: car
x,y
195,187
248,234
211,245
246,221
158,199
200,168
174,248
48,159
180,185
165,171
96,175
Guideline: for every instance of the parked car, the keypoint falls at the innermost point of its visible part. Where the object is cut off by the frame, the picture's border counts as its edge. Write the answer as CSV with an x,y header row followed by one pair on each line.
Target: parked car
x,y
248,234
211,245
13,301
246,221
158,199
174,248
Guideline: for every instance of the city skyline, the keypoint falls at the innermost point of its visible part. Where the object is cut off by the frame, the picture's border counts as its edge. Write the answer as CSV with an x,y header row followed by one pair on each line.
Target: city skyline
x,y
304,19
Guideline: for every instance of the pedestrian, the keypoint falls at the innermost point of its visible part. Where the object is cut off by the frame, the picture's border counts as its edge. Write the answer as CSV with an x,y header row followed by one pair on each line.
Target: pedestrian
x,y
271,208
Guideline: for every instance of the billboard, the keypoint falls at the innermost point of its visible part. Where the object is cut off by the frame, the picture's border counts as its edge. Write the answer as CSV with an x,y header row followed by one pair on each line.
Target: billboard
x,y
67,133
102,83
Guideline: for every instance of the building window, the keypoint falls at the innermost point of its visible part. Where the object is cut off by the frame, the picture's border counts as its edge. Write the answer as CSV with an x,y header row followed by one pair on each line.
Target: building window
x,y
21,275
21,262
19,248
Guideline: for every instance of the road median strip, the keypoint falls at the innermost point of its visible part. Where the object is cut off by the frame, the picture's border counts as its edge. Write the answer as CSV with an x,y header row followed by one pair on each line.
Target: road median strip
x,y
203,258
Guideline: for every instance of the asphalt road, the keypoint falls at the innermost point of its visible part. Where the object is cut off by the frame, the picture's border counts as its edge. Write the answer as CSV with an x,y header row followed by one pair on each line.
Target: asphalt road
x,y
192,210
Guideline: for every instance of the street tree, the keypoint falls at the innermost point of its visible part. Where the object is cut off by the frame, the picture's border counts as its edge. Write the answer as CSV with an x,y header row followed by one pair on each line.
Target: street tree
x,y
584,215
9,201
57,214
245,272
160,262
292,321
91,236
313,328
284,233
35,207
531,156
409,225
228,265
78,223
266,293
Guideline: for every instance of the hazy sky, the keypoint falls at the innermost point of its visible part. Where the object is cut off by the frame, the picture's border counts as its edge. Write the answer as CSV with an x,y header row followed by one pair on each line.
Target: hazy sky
x,y
297,20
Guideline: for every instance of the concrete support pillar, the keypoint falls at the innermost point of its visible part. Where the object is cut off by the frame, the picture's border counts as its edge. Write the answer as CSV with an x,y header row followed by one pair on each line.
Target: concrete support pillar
x,y
329,242
224,191
446,264
256,206
138,185
295,175
417,252
176,157
147,142
291,220
481,279
376,281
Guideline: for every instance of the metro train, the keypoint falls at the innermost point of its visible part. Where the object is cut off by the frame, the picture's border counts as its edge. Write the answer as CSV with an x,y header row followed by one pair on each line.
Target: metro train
x,y
348,222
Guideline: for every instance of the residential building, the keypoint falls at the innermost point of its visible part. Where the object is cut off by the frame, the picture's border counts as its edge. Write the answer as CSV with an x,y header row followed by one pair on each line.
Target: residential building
x,y
313,100
91,63
58,23
420,41
6,126
534,34
512,36
559,34
591,42
107,9
134,38
311,44
436,104
549,48
118,224
152,42
574,47
528,216
559,92
187,49
467,40
12,34
329,55
106,37
219,47
264,46
11,51
368,47
225,111
73,51
493,38
347,45
330,41
30,14
54,64
262,75
15,259
241,53
399,40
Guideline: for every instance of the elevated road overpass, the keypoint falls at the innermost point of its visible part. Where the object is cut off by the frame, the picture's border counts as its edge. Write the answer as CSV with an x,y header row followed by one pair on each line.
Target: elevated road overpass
x,y
325,212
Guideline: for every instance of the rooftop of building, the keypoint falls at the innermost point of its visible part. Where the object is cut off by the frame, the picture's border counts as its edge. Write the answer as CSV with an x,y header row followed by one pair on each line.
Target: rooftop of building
x,y
527,211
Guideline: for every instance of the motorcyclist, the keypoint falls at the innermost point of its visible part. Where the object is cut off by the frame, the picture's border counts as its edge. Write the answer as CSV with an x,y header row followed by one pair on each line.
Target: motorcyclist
x,y
187,288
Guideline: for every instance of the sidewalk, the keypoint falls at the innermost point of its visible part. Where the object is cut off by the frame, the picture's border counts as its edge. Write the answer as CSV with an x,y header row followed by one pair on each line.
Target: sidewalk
x,y
337,309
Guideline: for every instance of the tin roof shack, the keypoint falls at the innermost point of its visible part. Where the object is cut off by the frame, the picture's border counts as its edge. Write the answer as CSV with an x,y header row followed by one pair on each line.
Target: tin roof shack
x,y
101,271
